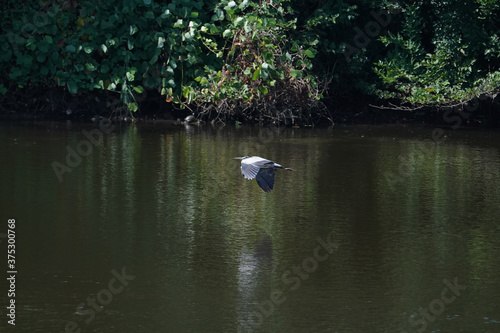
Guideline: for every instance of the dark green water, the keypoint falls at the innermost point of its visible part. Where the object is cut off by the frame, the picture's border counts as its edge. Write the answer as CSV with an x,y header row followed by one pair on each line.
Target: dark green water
x,y
153,229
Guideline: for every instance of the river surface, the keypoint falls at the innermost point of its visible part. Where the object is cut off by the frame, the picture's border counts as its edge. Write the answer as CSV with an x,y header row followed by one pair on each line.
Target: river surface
x,y
152,228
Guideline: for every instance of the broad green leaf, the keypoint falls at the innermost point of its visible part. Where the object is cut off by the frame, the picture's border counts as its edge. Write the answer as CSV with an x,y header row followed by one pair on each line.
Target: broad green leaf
x,y
188,36
133,29
15,72
295,73
165,14
79,67
72,87
88,49
256,74
218,16
230,6
90,67
132,106
309,53
161,41
185,92
243,4
63,75
153,59
30,44
264,74
238,20
179,24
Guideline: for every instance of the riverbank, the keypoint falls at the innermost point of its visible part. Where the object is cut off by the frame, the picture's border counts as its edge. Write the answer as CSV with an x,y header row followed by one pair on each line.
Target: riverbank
x,y
56,104
269,62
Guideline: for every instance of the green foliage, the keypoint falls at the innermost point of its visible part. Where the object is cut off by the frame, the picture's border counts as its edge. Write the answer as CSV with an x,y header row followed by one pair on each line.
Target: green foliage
x,y
458,63
253,54
255,51
188,50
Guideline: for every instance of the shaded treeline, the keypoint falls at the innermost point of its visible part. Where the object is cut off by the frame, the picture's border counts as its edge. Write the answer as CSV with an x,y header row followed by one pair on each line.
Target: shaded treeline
x,y
269,61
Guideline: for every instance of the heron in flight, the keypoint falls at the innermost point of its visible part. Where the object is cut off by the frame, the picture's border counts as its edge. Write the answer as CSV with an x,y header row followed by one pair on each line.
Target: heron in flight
x,y
261,169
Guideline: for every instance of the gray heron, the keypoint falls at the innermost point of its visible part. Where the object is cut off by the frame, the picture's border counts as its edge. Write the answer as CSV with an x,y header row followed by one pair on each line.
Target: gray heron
x,y
261,169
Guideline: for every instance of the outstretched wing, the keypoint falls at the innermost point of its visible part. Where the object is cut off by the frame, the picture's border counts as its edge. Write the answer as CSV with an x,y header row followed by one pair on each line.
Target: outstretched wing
x,y
265,179
249,171
250,166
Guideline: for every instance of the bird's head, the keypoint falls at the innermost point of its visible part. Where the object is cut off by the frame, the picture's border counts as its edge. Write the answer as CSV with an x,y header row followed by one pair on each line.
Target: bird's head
x,y
240,158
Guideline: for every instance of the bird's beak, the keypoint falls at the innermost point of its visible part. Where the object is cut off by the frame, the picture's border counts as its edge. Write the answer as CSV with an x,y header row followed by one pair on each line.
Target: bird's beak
x,y
238,158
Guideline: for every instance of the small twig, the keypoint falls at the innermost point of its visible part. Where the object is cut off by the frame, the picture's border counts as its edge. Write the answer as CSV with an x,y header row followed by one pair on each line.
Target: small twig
x,y
406,109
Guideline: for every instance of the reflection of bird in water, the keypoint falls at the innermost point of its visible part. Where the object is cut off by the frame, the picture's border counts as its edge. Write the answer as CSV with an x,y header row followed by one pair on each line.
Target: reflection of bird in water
x,y
261,169
255,268
264,251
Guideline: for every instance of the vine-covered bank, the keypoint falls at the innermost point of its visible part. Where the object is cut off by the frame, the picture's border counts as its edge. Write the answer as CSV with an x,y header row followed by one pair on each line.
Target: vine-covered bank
x,y
276,61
